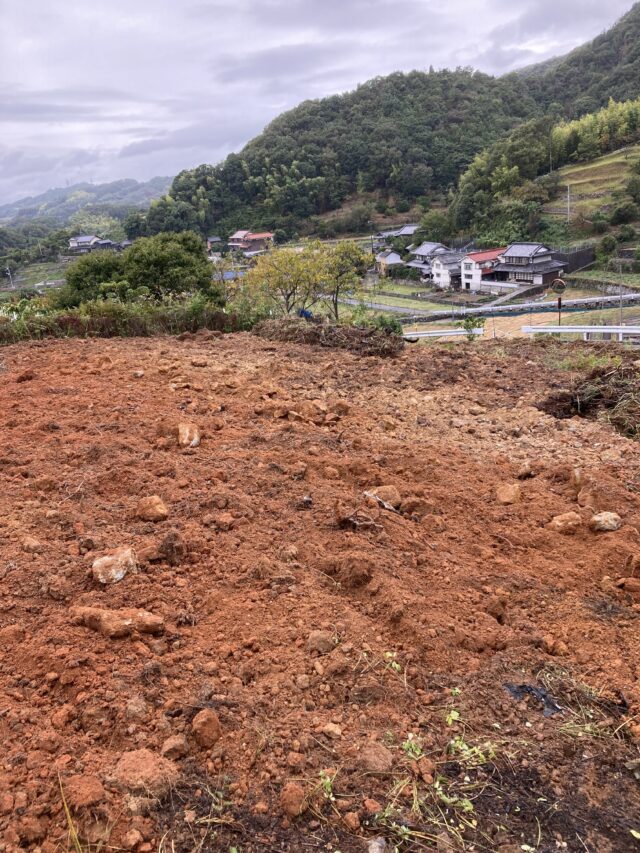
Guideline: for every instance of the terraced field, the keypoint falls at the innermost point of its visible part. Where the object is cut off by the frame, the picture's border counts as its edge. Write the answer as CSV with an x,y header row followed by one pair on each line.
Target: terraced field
x,y
593,184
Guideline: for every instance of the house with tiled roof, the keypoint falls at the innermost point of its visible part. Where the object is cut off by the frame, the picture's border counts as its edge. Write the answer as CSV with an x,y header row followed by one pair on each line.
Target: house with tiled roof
x,y
423,256
527,263
251,243
385,260
478,268
446,269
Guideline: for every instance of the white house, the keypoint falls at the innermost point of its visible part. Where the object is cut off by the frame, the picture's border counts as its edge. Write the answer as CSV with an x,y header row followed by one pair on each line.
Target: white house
x,y
423,257
477,267
446,269
387,259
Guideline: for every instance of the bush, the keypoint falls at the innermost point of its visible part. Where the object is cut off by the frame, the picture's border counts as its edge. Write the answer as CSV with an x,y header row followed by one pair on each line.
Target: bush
x,y
608,244
626,234
107,319
624,213
599,223
402,205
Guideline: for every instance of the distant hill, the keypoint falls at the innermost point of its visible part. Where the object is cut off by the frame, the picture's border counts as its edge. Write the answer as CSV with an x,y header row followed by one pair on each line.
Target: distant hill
x,y
585,79
59,205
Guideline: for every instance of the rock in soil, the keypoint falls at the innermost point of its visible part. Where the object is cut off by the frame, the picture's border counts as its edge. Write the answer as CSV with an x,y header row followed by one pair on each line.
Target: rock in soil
x,y
567,523
206,728
152,508
604,522
118,623
293,799
114,566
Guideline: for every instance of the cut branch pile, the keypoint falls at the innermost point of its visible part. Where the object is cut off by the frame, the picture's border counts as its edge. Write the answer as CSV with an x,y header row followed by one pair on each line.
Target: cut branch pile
x,y
358,340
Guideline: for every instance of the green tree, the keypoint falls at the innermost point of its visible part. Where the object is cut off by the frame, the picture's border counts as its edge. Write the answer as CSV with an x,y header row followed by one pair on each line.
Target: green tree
x,y
436,226
289,278
86,275
345,265
173,263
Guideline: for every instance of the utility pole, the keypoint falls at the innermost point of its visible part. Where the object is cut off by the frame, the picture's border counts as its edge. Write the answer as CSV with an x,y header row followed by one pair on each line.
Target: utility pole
x,y
568,203
10,276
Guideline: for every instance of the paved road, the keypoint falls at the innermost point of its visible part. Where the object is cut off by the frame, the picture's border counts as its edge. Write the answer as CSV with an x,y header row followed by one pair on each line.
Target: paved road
x,y
488,310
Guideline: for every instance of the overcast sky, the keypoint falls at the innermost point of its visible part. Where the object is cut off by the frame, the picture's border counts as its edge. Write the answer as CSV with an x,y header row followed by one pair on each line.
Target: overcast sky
x,y
110,89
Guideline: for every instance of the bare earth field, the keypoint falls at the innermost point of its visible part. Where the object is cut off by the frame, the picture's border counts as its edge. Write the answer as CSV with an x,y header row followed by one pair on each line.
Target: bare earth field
x,y
281,663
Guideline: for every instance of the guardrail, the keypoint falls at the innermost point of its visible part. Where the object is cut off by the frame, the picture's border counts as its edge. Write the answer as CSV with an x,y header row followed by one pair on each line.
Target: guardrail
x,y
442,333
620,331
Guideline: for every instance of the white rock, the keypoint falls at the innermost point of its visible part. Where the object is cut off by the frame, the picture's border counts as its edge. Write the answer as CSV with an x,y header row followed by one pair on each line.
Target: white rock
x,y
114,566
605,521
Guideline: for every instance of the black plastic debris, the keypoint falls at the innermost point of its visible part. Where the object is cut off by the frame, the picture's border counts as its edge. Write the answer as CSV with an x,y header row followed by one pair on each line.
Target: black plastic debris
x,y
521,691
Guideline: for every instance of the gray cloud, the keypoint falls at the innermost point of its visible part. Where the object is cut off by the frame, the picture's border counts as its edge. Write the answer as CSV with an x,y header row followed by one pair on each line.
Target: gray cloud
x,y
117,89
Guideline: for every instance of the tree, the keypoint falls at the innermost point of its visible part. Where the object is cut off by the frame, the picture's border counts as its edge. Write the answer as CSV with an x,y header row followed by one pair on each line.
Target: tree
x,y
87,274
436,226
293,279
166,264
135,225
171,264
345,265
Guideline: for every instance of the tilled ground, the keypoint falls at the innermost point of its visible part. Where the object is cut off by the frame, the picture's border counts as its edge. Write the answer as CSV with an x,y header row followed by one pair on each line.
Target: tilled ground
x,y
290,664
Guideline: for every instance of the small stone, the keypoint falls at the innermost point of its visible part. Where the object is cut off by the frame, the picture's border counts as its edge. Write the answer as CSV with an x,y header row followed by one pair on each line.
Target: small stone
x,y
114,566
31,545
225,522
132,839
631,586
321,642
508,493
378,845
83,792
303,682
188,435
175,746
352,821
144,771
138,374
372,806
604,522
292,799
389,494
567,523
376,758
118,623
206,728
332,730
152,509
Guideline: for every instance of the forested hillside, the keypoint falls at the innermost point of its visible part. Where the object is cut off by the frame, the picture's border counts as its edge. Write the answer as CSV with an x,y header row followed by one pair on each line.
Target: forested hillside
x,y
399,138
501,195
403,136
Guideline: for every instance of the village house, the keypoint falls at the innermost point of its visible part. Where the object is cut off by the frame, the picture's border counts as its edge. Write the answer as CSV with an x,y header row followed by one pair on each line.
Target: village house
x,y
383,237
478,268
84,242
250,243
423,256
446,269
387,259
527,263
213,243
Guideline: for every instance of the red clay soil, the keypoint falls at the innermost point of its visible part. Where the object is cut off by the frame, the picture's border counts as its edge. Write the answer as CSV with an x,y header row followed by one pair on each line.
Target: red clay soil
x,y
284,662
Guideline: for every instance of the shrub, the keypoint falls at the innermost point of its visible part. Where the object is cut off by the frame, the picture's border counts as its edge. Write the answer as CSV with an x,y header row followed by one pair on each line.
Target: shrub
x,y
625,212
608,244
626,234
